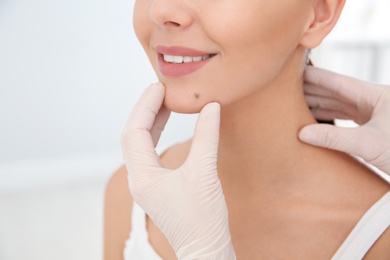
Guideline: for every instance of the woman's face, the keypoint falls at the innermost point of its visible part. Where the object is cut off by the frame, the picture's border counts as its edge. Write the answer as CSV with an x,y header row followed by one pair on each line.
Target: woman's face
x,y
218,50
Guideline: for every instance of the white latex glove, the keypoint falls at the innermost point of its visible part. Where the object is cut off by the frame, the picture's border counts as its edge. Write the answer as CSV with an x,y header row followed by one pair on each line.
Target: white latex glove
x,y
187,204
332,96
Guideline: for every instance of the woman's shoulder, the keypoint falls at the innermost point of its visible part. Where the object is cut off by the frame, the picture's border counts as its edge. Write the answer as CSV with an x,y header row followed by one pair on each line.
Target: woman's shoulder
x,y
118,205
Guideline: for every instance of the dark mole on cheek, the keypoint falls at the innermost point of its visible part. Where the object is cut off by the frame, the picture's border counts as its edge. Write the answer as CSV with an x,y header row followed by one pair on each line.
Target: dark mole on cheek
x,y
196,95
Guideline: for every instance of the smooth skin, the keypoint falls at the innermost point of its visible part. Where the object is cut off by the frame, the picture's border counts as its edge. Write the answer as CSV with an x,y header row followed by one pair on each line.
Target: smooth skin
x,y
285,199
245,37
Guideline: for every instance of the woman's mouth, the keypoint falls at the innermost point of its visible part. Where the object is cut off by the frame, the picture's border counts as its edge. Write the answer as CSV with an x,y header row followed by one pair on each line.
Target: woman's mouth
x,y
185,59
180,61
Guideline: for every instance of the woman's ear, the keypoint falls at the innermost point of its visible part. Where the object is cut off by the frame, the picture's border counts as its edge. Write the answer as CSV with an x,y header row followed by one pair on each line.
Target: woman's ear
x,y
325,14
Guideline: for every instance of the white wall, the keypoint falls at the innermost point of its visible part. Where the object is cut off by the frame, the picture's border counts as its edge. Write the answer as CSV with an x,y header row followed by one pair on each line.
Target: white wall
x,y
70,72
360,43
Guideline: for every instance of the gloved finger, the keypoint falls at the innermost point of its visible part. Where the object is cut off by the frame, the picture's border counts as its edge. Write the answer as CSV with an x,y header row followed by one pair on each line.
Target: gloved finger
x,y
348,140
348,88
206,137
329,104
327,115
315,90
327,109
321,92
137,142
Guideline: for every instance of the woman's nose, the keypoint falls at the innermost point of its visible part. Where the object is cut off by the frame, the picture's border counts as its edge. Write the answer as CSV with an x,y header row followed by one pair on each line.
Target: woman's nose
x,y
171,13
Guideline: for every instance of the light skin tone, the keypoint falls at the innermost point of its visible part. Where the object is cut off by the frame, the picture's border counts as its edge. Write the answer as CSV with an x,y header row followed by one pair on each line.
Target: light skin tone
x,y
249,42
280,193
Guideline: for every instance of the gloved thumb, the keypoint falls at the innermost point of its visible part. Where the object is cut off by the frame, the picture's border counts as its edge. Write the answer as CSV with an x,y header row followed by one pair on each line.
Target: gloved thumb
x,y
206,136
341,139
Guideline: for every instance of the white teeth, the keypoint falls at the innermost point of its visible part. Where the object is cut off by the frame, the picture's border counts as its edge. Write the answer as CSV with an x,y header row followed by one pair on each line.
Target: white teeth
x,y
178,59
168,58
185,59
197,58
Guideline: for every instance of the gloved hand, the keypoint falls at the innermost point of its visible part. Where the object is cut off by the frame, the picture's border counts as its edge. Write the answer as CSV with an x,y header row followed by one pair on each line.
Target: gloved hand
x,y
331,96
187,204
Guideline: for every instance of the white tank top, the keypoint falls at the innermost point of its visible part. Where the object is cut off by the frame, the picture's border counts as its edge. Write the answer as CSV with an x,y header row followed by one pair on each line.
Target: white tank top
x,y
370,227
367,231
137,246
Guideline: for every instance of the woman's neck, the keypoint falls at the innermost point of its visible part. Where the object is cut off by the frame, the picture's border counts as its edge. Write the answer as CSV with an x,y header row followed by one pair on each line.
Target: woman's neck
x,y
259,144
263,127
260,153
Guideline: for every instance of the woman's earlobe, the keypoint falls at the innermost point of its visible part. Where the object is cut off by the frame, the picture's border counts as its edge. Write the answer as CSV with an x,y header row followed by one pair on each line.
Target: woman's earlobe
x,y
326,14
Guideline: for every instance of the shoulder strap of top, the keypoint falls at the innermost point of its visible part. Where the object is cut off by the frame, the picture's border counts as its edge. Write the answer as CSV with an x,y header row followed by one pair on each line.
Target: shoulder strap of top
x,y
370,227
138,246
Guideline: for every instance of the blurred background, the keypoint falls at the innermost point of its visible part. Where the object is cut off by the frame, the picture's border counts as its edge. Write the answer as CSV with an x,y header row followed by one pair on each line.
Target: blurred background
x,y
70,73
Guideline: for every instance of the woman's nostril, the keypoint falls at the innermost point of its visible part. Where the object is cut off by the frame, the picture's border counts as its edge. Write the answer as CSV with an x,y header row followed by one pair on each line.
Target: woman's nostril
x,y
170,15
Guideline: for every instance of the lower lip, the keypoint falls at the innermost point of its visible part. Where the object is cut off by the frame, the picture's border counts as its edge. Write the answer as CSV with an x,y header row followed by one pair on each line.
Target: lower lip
x,y
179,69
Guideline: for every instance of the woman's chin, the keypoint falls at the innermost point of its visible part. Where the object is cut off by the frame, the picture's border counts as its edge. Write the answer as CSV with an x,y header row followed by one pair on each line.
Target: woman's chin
x,y
186,98
182,107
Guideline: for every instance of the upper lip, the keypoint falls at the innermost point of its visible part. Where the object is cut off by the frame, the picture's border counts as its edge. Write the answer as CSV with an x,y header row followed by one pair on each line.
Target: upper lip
x,y
180,51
